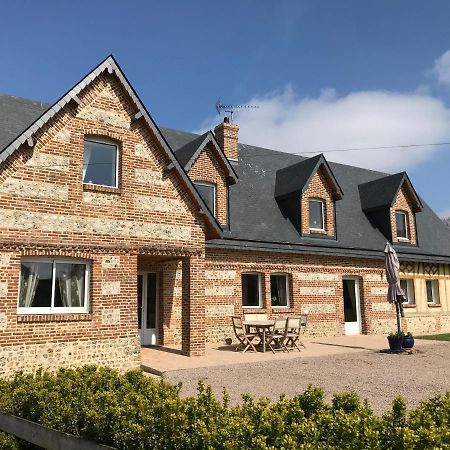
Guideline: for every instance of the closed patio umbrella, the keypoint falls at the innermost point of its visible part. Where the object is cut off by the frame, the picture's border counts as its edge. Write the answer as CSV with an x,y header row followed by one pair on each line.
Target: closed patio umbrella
x,y
395,293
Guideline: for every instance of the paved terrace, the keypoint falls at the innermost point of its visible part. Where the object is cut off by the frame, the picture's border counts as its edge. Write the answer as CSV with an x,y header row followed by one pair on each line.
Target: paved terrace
x,y
159,360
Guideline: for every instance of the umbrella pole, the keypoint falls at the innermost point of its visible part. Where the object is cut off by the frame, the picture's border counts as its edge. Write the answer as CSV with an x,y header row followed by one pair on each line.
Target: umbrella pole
x,y
397,309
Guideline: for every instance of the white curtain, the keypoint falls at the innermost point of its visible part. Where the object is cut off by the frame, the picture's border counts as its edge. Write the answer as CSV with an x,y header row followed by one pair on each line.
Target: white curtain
x,y
30,280
87,160
71,283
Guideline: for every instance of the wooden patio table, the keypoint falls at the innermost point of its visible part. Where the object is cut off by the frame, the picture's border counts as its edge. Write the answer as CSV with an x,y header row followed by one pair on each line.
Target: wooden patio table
x,y
262,326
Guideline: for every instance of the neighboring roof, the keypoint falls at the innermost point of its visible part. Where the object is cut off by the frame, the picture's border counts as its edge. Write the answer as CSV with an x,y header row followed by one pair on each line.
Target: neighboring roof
x,y
382,192
257,222
110,65
16,114
295,179
188,153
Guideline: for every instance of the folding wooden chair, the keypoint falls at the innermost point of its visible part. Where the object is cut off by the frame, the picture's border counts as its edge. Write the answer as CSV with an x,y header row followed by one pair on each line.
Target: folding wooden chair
x,y
245,338
296,327
279,335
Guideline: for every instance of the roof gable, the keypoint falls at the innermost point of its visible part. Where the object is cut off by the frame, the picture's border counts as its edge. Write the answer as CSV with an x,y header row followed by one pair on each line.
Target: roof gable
x,y
295,179
382,192
111,66
189,153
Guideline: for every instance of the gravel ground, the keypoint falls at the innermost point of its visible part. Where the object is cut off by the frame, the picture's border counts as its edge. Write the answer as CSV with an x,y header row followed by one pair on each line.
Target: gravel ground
x,y
379,377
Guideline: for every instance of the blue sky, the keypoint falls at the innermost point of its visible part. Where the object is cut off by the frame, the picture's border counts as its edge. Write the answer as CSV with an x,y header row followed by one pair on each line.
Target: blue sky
x,y
326,74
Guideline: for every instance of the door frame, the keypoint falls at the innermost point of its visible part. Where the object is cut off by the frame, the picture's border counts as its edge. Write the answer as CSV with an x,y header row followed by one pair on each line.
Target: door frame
x,y
141,331
358,304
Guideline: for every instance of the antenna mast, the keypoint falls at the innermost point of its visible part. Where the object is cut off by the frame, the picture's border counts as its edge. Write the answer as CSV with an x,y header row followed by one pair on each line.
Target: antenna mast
x,y
231,108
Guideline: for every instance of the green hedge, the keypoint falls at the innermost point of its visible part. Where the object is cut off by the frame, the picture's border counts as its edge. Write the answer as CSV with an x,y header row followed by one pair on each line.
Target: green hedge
x,y
132,411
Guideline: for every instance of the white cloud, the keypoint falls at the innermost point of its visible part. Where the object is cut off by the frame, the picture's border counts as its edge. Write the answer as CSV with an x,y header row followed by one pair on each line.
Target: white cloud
x,y
441,68
445,214
359,119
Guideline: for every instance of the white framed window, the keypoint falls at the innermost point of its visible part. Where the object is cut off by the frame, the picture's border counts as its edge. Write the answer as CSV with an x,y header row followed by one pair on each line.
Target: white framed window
x,y
432,287
401,221
207,192
316,214
101,162
251,290
51,286
407,286
279,290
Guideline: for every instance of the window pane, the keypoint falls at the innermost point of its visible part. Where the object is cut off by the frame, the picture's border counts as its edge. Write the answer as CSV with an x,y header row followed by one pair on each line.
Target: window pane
x,y
429,285
315,215
401,225
278,291
250,289
69,285
208,195
100,163
349,290
36,285
151,301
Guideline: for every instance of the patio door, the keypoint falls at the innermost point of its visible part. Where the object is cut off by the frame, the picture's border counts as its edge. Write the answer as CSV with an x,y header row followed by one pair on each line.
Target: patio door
x,y
147,308
352,310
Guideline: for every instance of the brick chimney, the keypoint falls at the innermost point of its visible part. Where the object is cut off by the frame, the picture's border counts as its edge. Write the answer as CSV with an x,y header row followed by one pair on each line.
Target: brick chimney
x,y
227,137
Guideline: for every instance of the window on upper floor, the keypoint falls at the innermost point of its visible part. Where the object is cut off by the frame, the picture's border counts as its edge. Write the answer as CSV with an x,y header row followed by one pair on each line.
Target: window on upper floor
x,y
50,286
432,287
100,165
251,290
316,214
279,290
208,193
401,220
407,286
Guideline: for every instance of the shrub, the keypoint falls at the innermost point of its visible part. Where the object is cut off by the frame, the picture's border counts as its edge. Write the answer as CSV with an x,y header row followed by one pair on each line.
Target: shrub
x,y
132,411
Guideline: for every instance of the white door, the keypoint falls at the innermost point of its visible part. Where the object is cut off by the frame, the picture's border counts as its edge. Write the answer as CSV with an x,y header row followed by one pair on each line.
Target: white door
x,y
147,308
352,311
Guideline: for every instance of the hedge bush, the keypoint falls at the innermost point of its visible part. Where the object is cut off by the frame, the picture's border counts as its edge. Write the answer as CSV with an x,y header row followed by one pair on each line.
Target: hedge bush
x,y
132,411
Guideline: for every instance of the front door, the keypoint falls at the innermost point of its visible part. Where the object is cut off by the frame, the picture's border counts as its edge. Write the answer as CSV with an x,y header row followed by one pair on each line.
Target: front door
x,y
352,312
147,308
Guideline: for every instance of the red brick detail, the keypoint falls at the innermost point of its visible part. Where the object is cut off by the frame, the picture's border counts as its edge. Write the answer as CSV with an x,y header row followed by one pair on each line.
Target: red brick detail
x,y
193,306
403,203
207,168
318,188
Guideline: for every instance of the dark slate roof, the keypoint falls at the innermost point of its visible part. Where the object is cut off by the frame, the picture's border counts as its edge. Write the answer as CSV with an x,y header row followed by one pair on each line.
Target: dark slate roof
x,y
17,114
185,153
294,179
257,222
381,193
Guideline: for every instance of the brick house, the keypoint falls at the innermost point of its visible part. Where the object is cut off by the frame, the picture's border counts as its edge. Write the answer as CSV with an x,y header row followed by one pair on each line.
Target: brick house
x,y
115,233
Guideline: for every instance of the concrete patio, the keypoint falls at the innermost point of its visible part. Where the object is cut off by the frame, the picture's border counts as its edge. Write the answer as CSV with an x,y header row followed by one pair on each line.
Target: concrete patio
x,y
159,360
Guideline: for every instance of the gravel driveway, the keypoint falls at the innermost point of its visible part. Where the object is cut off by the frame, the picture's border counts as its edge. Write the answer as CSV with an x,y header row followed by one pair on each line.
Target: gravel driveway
x,y
379,377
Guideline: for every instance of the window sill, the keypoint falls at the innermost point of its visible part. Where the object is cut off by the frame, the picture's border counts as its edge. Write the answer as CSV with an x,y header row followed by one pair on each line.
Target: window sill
x,y
433,305
317,231
408,306
99,188
61,317
250,309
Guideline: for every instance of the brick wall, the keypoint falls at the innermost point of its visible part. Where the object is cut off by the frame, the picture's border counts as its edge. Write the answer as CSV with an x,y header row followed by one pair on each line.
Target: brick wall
x,y
207,168
46,210
403,203
318,188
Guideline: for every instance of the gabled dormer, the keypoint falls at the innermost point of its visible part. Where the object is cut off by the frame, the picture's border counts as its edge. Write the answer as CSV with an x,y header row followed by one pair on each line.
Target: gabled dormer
x,y
211,172
391,204
307,192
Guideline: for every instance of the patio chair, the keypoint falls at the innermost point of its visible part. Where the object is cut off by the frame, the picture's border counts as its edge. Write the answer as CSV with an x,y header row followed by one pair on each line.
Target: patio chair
x,y
242,335
279,335
296,327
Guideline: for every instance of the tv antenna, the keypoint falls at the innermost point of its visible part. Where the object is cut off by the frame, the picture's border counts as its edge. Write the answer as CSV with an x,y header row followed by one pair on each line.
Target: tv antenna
x,y
231,108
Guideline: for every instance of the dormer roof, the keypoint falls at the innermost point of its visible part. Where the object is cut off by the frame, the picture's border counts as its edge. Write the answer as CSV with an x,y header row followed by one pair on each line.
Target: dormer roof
x,y
381,193
295,179
189,153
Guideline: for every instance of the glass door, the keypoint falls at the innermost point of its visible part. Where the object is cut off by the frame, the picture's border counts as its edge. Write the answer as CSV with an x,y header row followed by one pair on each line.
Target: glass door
x,y
147,308
352,312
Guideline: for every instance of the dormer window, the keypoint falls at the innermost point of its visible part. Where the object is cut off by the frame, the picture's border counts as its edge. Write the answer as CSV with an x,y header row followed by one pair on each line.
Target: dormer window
x,y
316,215
208,193
100,165
401,219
